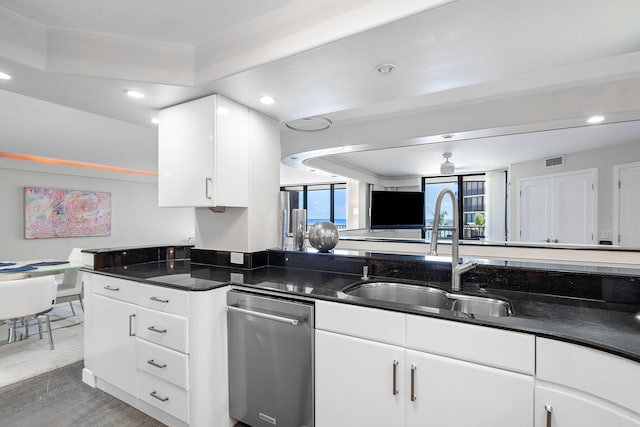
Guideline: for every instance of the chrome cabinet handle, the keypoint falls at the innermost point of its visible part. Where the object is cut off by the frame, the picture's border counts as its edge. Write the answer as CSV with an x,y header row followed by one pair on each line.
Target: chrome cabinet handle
x,y
294,322
556,241
160,398
156,299
413,383
109,288
549,410
207,180
131,316
395,373
154,329
156,364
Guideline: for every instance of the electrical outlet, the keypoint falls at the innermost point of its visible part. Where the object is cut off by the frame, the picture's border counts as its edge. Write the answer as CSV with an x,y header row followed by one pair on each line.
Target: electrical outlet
x,y
237,278
237,258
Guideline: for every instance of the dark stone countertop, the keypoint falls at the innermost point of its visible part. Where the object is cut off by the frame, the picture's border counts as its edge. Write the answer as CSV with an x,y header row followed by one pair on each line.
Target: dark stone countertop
x,y
614,328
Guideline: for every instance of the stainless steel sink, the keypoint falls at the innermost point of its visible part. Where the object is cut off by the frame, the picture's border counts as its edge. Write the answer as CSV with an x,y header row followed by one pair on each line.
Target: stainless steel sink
x,y
401,293
430,296
481,306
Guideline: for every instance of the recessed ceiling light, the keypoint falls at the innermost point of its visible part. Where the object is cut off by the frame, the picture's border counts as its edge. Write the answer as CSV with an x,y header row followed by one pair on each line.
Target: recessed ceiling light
x,y
4,76
447,136
155,120
595,119
386,69
266,99
134,93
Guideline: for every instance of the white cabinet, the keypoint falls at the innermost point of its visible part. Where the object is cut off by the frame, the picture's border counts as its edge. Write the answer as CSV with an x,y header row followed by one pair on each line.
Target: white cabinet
x,y
579,386
355,382
114,344
160,350
361,381
560,407
203,154
449,392
558,209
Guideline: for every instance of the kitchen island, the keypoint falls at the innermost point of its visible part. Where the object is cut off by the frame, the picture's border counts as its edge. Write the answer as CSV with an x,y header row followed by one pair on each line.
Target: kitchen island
x,y
603,328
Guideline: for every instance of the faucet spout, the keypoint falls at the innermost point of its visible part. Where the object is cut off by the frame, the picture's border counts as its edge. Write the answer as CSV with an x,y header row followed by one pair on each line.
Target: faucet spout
x,y
457,269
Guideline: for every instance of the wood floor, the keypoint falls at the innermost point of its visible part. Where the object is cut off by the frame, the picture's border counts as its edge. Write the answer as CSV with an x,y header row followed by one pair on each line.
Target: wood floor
x,y
59,398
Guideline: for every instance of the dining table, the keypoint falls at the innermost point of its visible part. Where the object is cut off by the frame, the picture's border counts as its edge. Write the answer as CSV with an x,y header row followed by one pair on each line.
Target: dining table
x,y
13,270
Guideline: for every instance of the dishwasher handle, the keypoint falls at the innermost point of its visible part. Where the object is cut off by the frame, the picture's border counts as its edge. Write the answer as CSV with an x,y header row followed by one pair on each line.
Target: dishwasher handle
x,y
293,322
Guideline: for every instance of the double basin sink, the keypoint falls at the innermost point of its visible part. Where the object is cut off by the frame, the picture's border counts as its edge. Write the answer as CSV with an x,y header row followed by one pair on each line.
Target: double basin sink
x,y
430,296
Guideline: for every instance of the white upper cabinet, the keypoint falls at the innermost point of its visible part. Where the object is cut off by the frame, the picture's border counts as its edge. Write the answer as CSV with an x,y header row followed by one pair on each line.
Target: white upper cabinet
x,y
203,154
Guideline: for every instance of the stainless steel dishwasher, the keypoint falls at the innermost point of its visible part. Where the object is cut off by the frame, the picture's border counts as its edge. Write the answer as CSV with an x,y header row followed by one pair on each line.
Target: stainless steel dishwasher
x,y
270,360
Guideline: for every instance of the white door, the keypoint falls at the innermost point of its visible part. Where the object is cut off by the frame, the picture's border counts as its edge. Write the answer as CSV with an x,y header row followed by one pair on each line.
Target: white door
x,y
453,393
564,408
628,206
573,208
536,210
114,342
354,382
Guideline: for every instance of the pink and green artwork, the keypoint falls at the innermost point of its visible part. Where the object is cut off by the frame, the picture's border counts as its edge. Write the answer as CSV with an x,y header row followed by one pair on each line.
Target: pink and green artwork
x,y
52,212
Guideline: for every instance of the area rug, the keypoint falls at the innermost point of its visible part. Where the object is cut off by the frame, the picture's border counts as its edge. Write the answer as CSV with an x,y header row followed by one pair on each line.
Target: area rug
x,y
31,356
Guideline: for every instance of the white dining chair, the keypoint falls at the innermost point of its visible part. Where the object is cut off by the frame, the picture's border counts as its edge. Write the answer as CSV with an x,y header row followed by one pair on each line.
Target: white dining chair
x,y
28,298
71,286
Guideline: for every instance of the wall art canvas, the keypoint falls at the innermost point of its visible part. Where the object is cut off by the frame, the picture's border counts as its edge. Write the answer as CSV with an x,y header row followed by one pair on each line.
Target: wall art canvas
x,y
52,212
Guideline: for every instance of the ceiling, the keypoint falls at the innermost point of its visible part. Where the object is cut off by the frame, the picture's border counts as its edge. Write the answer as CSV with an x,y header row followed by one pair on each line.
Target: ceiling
x,y
490,73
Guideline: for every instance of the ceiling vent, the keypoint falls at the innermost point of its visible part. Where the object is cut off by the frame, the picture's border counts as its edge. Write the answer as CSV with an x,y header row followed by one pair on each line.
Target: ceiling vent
x,y
554,161
447,168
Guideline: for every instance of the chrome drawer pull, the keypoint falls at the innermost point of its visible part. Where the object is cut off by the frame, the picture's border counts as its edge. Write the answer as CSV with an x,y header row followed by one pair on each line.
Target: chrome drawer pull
x,y
160,398
154,329
549,410
156,299
294,322
156,364
109,288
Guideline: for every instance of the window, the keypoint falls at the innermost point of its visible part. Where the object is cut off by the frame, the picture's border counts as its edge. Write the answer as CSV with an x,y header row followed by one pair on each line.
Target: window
x,y
324,202
471,206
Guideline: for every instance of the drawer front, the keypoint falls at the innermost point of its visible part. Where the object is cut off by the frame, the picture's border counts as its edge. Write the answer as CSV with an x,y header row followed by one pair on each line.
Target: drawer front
x,y
163,395
610,377
163,329
163,363
514,351
361,322
124,290
164,299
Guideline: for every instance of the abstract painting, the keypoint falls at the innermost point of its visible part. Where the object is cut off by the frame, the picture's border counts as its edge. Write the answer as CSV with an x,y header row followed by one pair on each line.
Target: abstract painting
x,y
52,212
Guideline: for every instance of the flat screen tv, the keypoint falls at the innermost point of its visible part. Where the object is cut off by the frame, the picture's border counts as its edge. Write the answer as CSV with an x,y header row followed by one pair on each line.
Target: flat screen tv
x,y
397,209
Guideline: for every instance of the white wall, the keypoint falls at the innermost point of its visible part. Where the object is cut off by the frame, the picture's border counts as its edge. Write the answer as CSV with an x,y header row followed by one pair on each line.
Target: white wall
x,y
603,159
135,218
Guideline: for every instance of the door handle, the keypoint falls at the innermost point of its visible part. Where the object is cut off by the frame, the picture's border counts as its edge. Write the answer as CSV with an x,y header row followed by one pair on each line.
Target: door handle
x,y
154,329
549,410
207,181
413,383
294,322
131,316
156,364
157,396
109,288
394,391
156,299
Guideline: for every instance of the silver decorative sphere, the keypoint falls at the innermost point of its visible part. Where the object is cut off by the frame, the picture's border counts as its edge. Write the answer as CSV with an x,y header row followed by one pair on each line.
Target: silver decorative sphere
x,y
323,236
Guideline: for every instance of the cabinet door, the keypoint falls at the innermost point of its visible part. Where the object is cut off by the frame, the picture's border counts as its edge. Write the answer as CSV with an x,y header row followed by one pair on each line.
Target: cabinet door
x,y
114,358
565,408
452,393
354,382
186,153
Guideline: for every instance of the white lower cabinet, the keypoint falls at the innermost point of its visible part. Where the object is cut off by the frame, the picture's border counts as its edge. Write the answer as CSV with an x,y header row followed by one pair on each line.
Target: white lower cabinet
x,y
114,346
446,392
562,407
152,347
362,382
355,382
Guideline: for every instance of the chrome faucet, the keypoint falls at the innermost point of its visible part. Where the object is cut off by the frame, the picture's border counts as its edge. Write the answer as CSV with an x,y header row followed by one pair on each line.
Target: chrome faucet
x,y
457,269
